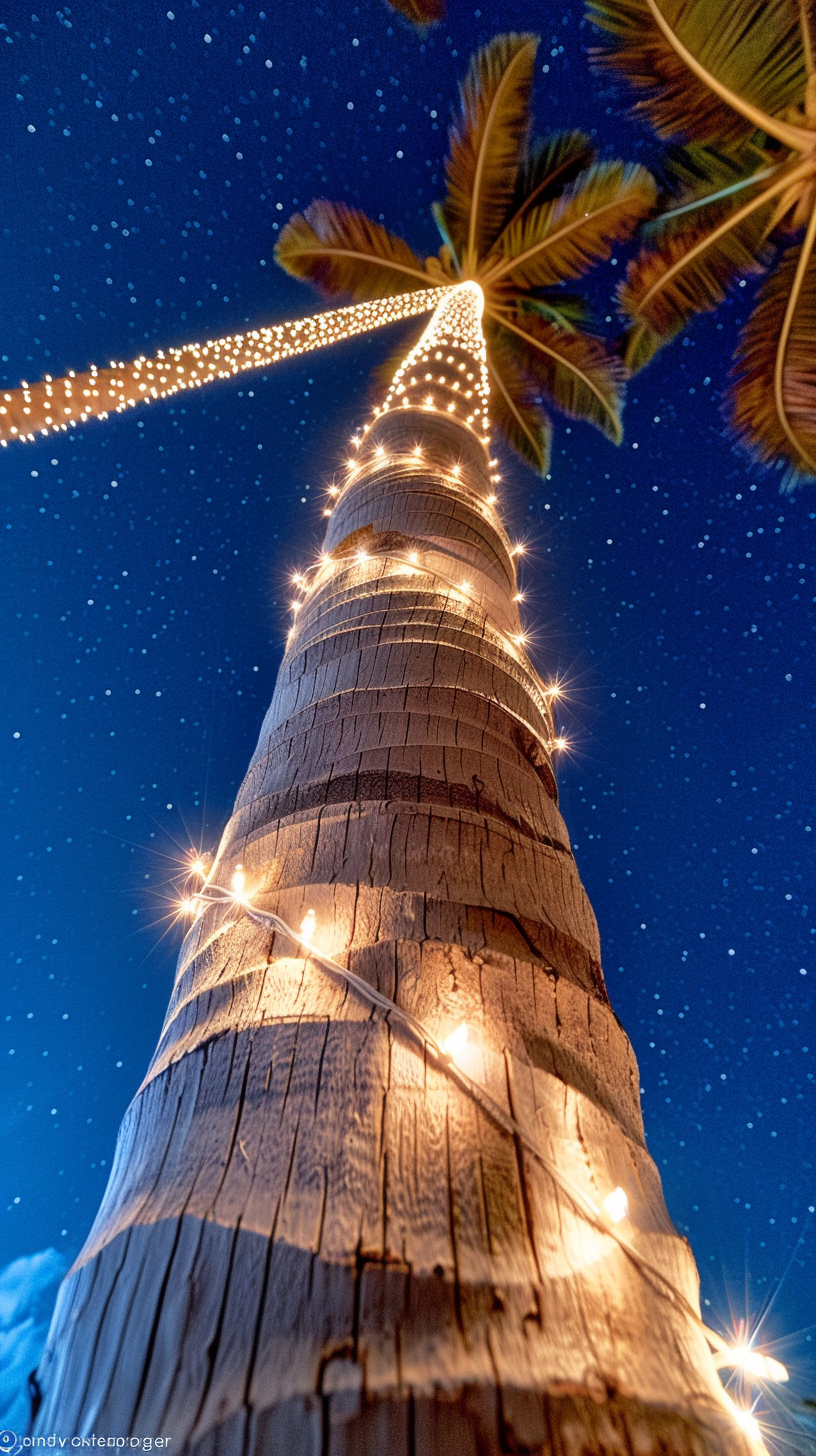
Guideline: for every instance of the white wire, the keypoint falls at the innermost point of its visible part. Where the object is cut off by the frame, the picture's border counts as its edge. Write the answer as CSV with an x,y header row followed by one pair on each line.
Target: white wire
x,y
479,1094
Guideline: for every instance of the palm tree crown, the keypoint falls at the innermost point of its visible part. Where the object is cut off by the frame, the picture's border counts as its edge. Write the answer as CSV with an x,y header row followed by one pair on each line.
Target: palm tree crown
x,y
522,218
733,84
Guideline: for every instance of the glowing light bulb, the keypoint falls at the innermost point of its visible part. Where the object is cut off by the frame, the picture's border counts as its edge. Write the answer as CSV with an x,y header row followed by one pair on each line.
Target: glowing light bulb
x,y
362,556
517,550
762,1367
238,883
554,691
746,1421
465,586
297,579
491,501
519,597
413,556
188,907
198,867
307,927
455,1044
616,1205
559,743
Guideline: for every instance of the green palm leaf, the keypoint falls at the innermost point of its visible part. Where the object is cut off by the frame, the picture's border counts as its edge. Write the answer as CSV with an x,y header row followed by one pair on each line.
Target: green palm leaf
x,y
516,406
343,252
772,399
421,13
563,237
486,144
549,166
697,257
573,369
750,62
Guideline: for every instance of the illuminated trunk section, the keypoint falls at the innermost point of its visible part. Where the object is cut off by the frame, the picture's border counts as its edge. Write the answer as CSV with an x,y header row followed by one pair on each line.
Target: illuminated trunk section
x,y
314,1238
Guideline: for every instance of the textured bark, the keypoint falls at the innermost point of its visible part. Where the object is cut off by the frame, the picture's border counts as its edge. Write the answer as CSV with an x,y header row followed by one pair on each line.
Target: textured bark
x,y
313,1241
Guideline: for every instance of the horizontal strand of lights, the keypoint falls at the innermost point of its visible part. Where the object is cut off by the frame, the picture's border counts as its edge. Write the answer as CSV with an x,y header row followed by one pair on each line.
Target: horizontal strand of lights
x,y
58,404
605,1217
413,566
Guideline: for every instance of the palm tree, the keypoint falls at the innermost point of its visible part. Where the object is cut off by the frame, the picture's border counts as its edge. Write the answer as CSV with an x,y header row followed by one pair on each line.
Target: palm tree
x,y
523,219
732,83
384,1187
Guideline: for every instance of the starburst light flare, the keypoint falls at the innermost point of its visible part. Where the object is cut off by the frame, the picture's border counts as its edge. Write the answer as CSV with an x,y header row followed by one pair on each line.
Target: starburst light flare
x,y
57,404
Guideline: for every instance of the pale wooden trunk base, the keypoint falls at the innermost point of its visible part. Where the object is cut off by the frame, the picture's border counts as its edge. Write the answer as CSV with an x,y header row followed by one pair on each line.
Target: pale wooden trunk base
x,y
474,1422
259,1349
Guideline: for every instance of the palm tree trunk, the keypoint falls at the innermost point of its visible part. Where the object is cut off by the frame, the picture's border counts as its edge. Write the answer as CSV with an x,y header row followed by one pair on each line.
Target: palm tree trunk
x,y
313,1241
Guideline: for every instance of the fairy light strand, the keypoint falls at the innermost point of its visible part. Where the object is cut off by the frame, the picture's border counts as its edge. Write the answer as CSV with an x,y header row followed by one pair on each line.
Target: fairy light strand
x,y
761,1367
411,564
34,410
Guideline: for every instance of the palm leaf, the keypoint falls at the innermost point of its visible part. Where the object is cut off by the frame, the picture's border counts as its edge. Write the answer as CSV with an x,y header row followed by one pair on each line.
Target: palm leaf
x,y
691,267
343,252
421,13
515,412
564,310
734,66
486,144
574,370
755,395
563,237
548,167
700,174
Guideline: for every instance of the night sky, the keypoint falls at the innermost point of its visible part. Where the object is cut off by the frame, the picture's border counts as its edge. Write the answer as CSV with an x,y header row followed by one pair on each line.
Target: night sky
x,y
150,158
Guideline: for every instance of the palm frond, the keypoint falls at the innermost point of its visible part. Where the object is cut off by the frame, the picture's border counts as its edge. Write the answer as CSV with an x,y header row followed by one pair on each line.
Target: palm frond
x,y
421,13
563,237
756,393
438,215
343,252
516,407
549,166
564,310
573,369
690,268
748,50
698,175
486,144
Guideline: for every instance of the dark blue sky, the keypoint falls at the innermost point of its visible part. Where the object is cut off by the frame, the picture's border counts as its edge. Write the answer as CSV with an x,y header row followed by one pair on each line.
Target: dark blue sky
x,y
149,160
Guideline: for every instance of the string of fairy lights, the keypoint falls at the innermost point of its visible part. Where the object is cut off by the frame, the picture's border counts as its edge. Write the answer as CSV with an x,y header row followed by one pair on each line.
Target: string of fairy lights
x,y
607,1216
35,410
410,564
456,324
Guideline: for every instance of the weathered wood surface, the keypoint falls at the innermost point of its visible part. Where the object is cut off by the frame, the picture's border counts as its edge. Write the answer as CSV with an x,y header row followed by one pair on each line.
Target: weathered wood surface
x,y
312,1241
